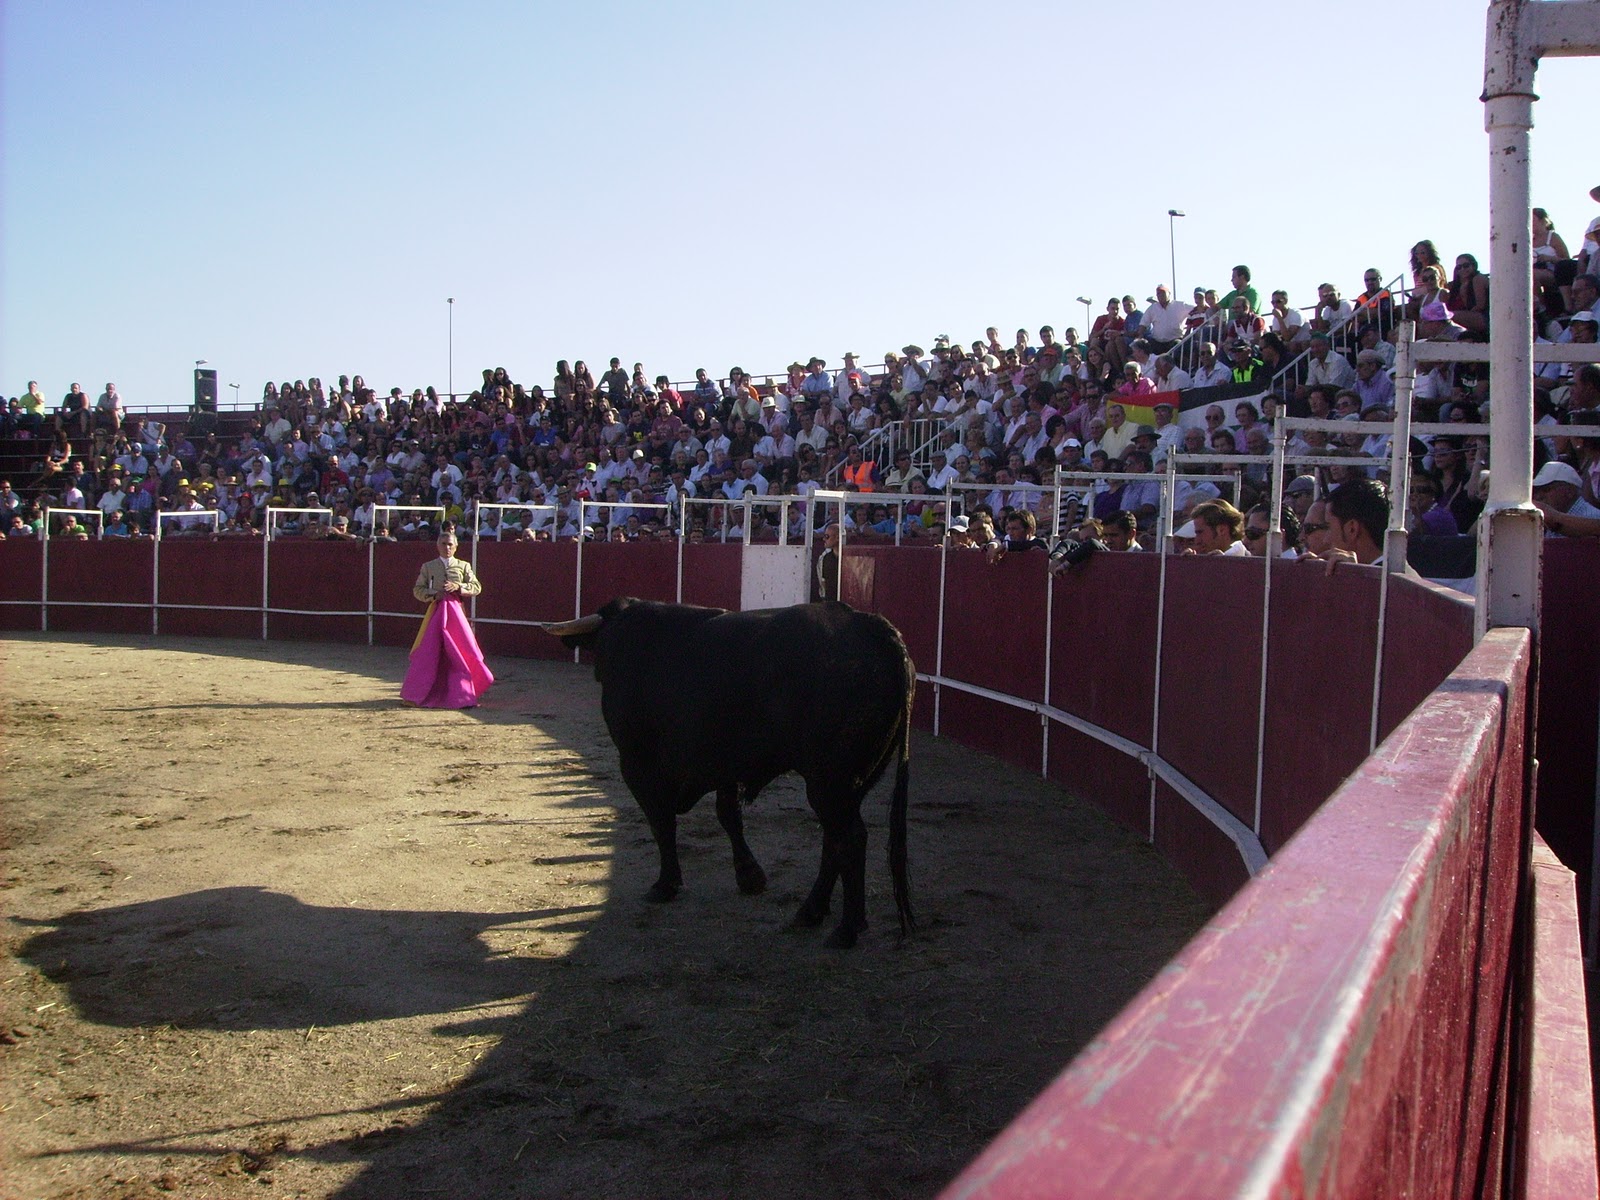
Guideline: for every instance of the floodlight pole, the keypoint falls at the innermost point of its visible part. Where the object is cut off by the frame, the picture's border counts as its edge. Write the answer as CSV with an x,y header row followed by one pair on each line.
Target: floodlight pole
x,y
1172,245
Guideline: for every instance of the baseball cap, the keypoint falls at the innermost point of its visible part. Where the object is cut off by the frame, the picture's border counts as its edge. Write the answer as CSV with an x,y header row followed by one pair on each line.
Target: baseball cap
x,y
1557,472
1302,485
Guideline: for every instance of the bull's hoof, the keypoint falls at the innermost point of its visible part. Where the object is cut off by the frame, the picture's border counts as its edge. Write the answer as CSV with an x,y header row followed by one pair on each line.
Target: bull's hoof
x,y
810,918
661,893
842,938
752,879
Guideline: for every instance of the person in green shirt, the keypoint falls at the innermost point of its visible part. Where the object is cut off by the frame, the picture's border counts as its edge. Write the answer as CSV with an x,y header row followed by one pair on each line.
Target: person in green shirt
x,y
1241,287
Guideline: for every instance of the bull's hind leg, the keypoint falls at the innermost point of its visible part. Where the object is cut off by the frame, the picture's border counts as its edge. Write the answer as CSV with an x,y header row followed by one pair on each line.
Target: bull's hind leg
x,y
665,828
851,855
820,899
752,879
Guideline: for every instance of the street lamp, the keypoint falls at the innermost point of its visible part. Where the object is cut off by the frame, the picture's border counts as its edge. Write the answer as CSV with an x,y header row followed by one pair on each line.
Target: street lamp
x,y
235,388
1088,318
450,349
1172,245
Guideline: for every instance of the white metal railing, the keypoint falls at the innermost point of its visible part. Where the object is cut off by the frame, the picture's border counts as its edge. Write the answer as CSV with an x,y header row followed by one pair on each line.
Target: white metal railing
x,y
188,522
1294,371
382,512
74,514
279,520
498,511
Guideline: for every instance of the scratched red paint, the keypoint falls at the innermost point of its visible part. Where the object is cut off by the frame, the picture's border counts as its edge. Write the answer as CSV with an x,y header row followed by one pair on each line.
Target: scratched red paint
x,y
1339,1029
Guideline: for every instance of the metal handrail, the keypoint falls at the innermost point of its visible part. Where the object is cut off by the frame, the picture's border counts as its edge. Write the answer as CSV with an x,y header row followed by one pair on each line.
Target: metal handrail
x,y
1296,364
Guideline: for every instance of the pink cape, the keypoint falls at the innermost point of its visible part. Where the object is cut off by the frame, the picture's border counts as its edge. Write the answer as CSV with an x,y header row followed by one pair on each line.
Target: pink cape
x,y
447,668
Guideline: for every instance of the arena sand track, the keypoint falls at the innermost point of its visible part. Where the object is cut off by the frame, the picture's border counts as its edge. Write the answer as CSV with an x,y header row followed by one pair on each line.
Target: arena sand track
x,y
271,934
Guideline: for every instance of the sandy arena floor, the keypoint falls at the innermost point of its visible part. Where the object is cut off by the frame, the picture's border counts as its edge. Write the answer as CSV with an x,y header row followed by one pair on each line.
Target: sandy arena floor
x,y
270,934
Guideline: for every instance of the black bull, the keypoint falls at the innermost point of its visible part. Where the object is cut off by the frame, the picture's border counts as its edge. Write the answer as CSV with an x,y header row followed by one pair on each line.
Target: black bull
x,y
700,700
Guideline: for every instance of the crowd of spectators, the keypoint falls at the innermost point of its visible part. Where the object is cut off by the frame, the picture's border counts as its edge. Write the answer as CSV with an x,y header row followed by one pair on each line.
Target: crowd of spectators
x,y
628,456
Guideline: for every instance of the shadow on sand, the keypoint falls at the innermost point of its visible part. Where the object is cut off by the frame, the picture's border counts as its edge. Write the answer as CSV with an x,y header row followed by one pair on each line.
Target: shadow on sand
x,y
695,1049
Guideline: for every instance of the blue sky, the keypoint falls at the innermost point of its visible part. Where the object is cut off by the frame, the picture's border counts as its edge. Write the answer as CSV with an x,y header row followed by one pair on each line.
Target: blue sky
x,y
294,189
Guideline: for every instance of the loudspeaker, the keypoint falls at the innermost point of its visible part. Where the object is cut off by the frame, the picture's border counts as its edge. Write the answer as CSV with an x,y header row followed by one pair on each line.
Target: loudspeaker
x,y
205,390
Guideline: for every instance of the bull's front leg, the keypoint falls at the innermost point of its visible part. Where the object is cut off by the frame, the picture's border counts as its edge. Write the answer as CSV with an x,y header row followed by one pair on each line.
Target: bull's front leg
x,y
746,870
664,825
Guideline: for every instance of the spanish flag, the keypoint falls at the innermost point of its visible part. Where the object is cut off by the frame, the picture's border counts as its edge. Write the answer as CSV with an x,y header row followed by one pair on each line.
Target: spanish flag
x,y
1189,405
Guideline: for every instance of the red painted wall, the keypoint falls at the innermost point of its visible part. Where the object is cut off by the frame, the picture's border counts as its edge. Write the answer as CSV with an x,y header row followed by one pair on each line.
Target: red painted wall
x,y
21,578
203,584
1569,704
1246,1069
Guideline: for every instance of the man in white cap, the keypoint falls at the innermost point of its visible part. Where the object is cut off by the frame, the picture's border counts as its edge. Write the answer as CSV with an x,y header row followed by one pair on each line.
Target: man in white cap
x,y
943,473
1558,491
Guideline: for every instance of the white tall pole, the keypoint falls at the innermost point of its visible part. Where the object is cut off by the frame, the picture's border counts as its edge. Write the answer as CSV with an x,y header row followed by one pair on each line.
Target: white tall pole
x,y
1510,532
1172,246
450,348
1519,34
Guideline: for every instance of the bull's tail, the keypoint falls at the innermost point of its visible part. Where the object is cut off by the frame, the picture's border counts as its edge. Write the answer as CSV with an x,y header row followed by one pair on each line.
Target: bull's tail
x,y
897,827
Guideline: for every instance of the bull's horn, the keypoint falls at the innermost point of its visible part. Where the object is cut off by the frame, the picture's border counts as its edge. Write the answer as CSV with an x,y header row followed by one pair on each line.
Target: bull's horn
x,y
573,628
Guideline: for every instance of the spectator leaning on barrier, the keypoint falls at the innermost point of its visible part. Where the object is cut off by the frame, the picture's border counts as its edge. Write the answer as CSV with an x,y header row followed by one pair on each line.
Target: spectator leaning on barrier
x,y
1021,535
1358,516
1558,491
1216,527
1257,531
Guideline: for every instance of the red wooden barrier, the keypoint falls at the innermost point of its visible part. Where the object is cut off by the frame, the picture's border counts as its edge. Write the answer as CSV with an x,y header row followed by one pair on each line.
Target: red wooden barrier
x,y
711,575
394,573
1319,687
1211,677
644,570
1569,707
204,586
84,576
326,582
1339,1028
21,583
1555,1167
1104,649
994,623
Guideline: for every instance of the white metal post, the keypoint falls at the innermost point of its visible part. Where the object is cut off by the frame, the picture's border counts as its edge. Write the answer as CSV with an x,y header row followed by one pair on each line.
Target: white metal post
x,y
1510,532
44,573
372,595
266,542
155,582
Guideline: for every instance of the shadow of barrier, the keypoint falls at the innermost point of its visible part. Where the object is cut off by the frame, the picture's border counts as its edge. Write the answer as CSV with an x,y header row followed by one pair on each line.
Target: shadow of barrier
x,y
1360,1012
